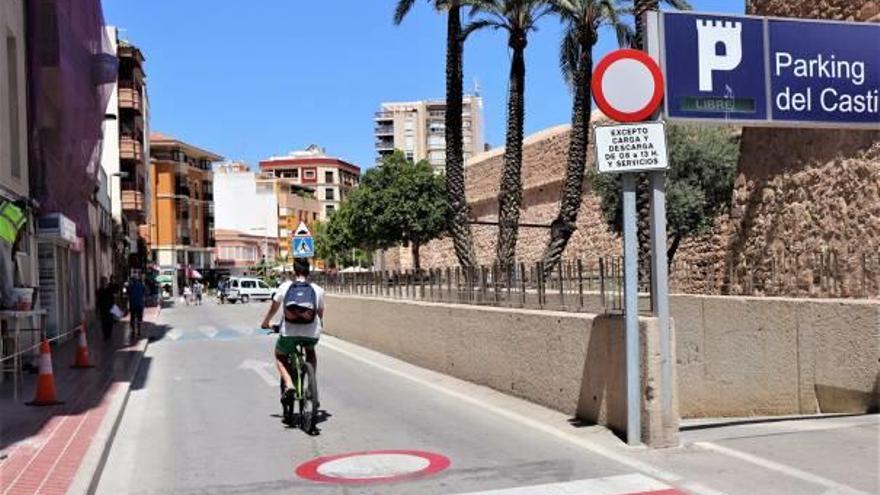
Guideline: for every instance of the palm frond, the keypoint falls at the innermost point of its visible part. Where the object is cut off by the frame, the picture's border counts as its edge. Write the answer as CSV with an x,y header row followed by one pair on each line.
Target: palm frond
x,y
473,26
402,9
678,4
569,53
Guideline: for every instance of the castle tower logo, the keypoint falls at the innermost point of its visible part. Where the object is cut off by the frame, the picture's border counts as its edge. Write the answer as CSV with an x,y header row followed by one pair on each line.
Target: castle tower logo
x,y
719,49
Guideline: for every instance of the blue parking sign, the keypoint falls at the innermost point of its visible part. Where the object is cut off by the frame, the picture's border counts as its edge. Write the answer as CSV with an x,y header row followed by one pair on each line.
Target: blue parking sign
x,y
714,67
303,247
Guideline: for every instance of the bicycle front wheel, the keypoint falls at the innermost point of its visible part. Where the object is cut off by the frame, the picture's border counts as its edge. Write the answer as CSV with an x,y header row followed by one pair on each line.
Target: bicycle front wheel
x,y
308,403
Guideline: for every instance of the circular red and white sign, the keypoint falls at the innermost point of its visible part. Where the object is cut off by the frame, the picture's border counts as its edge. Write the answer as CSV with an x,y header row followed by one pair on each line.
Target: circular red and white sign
x,y
627,85
378,466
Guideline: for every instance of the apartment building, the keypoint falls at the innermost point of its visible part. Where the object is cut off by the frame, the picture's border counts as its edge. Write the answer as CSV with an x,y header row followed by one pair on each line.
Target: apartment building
x,y
418,128
330,178
182,217
126,154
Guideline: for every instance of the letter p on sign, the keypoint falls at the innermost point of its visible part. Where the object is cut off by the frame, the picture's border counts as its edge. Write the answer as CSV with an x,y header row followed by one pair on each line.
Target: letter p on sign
x,y
720,48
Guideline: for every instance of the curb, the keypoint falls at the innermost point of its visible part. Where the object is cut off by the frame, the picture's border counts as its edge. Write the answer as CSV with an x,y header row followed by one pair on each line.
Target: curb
x,y
88,475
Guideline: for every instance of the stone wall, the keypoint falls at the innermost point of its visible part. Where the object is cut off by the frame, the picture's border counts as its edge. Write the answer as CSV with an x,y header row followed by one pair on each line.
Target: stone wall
x,y
805,217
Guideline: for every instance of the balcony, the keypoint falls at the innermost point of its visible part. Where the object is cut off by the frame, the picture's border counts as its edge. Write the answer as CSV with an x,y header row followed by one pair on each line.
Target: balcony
x,y
384,130
184,240
384,145
134,204
129,149
384,115
130,98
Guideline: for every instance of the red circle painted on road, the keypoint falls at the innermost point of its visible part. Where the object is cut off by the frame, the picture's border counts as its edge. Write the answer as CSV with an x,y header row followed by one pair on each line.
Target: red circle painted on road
x,y
599,94
411,464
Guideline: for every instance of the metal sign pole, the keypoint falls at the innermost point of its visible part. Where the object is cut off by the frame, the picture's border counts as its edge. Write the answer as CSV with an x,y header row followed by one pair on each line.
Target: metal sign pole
x,y
660,288
631,311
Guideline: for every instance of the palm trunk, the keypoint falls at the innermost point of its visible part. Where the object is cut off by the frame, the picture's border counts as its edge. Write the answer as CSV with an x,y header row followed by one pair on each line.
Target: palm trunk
x,y
639,9
564,225
510,194
459,213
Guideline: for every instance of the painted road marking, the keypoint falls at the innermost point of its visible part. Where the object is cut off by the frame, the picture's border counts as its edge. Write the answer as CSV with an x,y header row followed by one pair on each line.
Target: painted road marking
x,y
260,368
628,484
330,343
209,331
380,466
833,486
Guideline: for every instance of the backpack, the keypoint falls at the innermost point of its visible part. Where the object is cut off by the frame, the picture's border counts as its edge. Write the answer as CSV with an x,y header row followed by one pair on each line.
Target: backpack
x,y
300,303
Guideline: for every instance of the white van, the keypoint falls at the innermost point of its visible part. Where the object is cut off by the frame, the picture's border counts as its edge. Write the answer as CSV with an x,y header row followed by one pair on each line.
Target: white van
x,y
245,289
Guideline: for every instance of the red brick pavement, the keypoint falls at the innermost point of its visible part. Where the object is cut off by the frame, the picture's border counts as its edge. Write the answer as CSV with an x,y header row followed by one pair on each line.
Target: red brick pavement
x,y
47,461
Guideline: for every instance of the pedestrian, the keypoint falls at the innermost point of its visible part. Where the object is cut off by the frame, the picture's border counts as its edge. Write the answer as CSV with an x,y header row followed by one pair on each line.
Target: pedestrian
x,y
106,299
136,302
187,294
221,291
197,293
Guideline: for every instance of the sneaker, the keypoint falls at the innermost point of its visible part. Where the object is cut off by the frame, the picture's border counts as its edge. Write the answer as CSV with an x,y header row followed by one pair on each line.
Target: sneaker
x,y
288,393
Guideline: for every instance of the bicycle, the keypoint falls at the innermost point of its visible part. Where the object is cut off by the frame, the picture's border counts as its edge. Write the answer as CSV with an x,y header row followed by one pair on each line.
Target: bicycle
x,y
305,390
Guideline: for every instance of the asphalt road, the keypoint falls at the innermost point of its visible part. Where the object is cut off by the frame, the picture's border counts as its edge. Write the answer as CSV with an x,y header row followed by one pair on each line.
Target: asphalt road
x,y
203,417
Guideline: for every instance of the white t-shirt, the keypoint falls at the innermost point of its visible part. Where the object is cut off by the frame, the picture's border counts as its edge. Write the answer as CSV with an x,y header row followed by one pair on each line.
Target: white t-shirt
x,y
311,330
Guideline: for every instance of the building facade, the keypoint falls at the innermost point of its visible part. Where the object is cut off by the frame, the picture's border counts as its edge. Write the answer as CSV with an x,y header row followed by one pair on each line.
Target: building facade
x,y
14,163
126,154
239,254
331,178
182,218
418,128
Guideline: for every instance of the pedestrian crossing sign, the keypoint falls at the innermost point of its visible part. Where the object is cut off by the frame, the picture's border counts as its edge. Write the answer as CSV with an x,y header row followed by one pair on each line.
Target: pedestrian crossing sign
x,y
303,247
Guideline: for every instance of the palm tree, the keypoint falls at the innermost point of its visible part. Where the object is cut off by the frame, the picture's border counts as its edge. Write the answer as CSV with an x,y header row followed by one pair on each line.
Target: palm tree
x,y
640,7
458,216
582,19
518,18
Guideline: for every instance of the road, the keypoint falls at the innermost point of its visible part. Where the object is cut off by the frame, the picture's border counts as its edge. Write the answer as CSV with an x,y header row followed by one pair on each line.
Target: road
x,y
202,418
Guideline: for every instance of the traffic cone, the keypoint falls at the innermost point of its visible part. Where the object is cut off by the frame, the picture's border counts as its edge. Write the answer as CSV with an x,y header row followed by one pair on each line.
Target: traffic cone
x,y
82,350
45,395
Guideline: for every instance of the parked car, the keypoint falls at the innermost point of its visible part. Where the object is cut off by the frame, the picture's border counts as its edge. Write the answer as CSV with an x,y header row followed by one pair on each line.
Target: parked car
x,y
244,289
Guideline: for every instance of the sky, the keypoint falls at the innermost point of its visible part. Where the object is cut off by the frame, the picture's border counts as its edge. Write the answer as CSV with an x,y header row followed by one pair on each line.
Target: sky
x,y
278,75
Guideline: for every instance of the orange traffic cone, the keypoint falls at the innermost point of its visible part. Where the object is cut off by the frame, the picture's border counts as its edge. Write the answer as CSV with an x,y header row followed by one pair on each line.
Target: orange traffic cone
x,y
82,350
45,395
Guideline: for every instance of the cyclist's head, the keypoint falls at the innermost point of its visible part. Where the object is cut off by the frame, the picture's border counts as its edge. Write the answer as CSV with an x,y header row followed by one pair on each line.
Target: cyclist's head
x,y
301,267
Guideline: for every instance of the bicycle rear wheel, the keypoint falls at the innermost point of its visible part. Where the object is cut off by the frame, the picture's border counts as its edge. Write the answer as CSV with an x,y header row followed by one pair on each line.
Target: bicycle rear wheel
x,y
308,403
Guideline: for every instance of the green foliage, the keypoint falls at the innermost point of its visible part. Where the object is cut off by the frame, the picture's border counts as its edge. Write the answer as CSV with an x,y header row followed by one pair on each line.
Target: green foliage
x,y
702,164
400,202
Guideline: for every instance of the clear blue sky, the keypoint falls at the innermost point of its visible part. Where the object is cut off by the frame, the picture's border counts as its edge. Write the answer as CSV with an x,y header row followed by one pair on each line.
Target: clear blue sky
x,y
253,79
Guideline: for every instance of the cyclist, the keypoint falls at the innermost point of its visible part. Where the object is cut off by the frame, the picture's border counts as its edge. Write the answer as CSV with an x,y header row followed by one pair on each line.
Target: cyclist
x,y
291,334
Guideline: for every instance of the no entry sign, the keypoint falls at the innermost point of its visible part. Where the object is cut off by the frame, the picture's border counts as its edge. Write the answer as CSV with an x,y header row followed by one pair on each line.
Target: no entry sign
x,y
627,85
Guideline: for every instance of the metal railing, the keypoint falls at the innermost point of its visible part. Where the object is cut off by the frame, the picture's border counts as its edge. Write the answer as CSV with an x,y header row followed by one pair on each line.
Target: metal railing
x,y
16,357
575,286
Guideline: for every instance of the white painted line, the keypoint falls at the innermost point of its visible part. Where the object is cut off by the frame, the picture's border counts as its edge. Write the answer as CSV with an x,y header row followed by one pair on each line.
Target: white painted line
x,y
174,334
259,368
839,488
209,331
612,485
640,466
694,487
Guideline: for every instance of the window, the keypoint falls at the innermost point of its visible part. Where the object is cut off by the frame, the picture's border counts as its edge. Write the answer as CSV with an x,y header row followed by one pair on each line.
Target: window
x,y
409,155
294,173
309,174
330,209
328,177
329,194
235,284
248,284
262,284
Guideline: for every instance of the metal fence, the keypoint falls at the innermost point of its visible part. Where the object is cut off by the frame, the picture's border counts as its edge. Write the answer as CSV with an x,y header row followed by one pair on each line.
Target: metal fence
x,y
597,285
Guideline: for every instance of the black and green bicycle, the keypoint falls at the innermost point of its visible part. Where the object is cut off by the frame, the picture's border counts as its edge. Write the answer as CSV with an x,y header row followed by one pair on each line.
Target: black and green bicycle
x,y
300,408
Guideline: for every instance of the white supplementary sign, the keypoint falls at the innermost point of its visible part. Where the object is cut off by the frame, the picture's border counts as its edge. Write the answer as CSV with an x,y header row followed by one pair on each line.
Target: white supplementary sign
x,y
631,147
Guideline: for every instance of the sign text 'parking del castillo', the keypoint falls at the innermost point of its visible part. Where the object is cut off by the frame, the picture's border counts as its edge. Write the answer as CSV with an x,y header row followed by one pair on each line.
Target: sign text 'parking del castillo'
x,y
763,71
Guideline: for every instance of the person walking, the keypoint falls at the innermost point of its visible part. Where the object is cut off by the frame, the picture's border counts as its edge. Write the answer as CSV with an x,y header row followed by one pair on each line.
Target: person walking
x,y
187,294
105,299
197,293
136,302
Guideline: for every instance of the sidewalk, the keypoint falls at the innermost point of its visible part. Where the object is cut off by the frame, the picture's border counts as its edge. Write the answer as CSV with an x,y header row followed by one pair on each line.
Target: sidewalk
x,y
57,449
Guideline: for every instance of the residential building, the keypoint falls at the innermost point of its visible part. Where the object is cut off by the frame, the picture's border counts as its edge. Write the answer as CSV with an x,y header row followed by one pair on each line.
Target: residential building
x,y
244,208
331,178
239,254
296,203
14,163
126,153
71,69
418,128
182,217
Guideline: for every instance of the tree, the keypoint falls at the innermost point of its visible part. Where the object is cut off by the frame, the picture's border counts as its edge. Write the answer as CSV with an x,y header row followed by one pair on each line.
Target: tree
x,y
640,7
582,19
400,202
459,212
702,164
517,18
